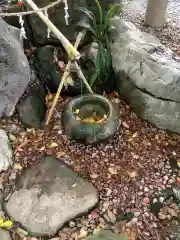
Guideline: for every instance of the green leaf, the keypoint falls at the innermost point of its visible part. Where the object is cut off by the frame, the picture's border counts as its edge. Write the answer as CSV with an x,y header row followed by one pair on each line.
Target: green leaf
x,y
88,13
94,78
100,12
87,26
113,11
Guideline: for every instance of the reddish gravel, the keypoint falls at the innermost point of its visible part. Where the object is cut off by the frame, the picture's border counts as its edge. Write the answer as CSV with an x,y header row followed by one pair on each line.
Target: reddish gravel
x,y
129,171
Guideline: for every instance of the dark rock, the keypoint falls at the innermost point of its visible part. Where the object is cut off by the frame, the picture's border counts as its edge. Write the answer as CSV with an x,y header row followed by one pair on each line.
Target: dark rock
x,y
49,194
56,15
32,108
46,67
14,69
147,75
48,71
106,235
155,207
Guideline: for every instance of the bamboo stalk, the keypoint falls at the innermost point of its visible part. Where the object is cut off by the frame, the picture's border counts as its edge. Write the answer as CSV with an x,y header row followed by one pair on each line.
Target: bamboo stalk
x,y
65,75
81,75
72,51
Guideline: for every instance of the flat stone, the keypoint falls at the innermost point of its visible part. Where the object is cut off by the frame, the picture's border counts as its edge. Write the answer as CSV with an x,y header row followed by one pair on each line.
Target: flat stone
x,y
6,154
47,195
4,235
106,235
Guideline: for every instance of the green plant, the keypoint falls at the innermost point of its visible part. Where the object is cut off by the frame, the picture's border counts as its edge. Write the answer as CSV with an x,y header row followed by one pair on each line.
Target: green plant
x,y
98,26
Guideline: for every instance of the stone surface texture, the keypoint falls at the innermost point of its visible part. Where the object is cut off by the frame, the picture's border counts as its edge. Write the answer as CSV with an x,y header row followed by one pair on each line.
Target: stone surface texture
x,y
56,15
106,235
47,195
14,69
148,75
6,154
4,235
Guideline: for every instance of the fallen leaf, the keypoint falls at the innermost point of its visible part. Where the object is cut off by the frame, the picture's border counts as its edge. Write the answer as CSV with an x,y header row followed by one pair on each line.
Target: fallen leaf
x,y
42,148
77,111
112,170
135,135
53,145
5,224
88,120
135,156
69,81
178,163
93,215
60,154
125,125
131,235
83,233
93,175
133,174
17,166
12,137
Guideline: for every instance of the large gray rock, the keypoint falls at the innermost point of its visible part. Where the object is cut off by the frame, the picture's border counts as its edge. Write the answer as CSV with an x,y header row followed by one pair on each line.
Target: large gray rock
x,y
49,194
14,68
56,15
4,235
6,153
149,64
163,114
148,75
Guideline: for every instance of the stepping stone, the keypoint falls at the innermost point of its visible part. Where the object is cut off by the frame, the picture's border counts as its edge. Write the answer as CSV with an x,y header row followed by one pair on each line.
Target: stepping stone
x,y
47,195
4,235
106,235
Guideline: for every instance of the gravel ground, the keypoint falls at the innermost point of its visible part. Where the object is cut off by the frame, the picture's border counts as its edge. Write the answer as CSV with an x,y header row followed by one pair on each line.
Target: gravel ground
x,y
129,171
169,33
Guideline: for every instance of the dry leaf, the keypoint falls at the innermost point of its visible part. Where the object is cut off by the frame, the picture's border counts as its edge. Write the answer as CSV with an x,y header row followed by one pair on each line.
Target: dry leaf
x,y
178,163
76,111
60,154
112,170
53,145
93,175
132,174
42,148
88,120
135,135
131,235
17,166
125,125
69,81
12,137
74,185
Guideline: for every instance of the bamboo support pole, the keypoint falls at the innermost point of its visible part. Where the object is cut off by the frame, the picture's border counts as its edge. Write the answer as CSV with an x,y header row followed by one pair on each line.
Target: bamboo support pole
x,y
65,75
71,51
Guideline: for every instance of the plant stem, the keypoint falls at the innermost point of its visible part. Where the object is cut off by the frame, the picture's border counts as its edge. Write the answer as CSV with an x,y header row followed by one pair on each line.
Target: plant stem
x,y
72,52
